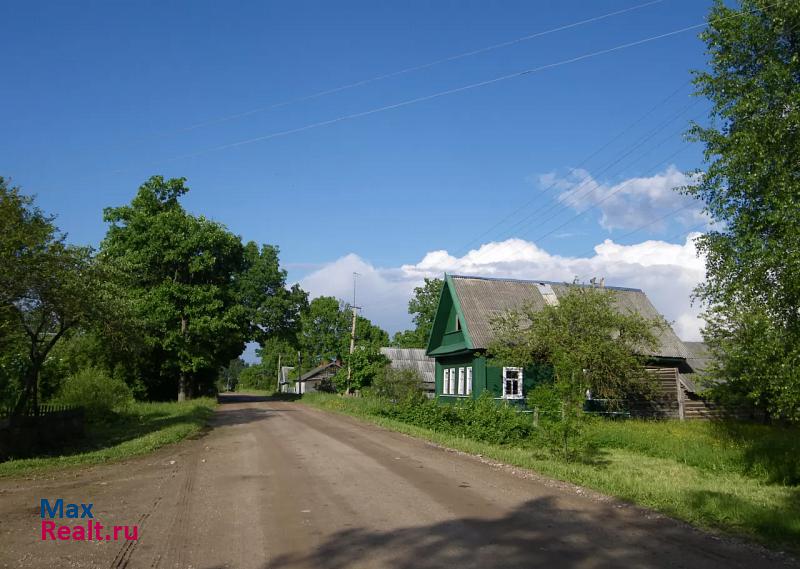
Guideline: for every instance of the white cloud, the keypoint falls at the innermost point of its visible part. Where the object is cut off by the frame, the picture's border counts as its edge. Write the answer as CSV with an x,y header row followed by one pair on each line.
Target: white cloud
x,y
667,272
630,203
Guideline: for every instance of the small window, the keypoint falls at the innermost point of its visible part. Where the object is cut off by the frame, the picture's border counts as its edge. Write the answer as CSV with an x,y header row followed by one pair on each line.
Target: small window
x,y
458,324
469,381
461,377
446,382
512,383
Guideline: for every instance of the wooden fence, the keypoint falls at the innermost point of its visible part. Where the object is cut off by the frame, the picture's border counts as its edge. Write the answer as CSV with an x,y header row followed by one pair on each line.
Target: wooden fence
x,y
45,428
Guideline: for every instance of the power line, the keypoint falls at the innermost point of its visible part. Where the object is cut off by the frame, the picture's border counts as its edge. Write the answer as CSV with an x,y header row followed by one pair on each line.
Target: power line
x,y
537,240
582,163
412,69
574,192
436,95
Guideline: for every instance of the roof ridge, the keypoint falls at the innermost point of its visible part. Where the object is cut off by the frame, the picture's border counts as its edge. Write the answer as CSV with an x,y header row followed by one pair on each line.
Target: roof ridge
x,y
536,281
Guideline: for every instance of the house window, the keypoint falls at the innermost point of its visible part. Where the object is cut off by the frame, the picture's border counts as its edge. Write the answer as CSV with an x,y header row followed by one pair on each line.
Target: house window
x,y
469,381
461,388
446,382
512,383
458,324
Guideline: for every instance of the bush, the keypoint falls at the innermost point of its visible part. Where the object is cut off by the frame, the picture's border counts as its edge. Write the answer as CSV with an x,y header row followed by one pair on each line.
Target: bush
x,y
563,429
397,384
93,389
480,419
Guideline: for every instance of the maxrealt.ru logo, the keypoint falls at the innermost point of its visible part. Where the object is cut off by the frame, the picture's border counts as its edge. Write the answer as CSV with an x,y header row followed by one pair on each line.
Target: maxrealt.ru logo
x,y
91,531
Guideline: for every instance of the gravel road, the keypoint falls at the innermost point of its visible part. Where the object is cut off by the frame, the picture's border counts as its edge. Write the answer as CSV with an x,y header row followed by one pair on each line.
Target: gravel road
x,y
278,484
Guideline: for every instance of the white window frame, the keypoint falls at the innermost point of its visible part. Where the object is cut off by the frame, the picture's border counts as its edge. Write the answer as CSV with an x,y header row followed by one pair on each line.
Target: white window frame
x,y
469,380
461,386
520,392
445,381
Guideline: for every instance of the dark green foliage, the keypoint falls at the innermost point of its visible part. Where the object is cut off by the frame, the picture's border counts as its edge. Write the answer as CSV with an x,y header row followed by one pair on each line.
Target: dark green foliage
x,y
751,188
585,339
273,310
590,345
423,308
229,375
561,429
93,389
366,363
258,376
481,419
397,384
180,277
325,332
47,288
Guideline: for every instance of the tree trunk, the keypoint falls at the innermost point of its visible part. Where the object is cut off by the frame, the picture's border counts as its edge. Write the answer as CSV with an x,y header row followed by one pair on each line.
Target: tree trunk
x,y
29,398
182,379
182,387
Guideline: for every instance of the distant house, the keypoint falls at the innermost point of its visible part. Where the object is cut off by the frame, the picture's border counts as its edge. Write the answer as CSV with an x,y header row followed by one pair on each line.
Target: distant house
x,y
462,332
414,359
284,383
318,378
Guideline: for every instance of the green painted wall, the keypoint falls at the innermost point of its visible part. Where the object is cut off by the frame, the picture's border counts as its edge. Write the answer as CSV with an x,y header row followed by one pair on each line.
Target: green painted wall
x,y
446,337
485,376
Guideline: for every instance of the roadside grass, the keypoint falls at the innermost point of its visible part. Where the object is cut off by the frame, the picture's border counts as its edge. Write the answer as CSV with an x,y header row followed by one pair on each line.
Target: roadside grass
x,y
141,428
731,478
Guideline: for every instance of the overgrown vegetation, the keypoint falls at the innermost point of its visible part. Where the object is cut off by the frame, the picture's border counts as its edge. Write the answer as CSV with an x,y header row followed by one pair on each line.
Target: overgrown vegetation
x,y
139,428
592,347
750,188
100,395
738,478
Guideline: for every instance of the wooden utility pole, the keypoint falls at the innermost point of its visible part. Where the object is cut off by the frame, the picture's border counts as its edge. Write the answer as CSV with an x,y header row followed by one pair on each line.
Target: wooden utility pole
x,y
352,336
278,388
299,371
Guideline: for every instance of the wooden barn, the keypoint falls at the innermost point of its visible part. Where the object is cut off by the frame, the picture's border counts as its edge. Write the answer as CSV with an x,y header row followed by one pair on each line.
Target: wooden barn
x,y
462,332
414,359
319,378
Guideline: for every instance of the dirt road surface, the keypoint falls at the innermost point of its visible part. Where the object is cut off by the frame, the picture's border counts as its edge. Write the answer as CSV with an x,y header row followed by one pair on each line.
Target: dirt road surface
x,y
279,485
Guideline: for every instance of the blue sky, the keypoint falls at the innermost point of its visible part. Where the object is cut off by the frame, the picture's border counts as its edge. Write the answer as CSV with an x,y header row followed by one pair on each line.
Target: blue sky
x,y
97,96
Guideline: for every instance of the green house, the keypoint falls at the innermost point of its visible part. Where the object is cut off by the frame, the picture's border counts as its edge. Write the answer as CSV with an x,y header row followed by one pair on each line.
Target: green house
x,y
462,332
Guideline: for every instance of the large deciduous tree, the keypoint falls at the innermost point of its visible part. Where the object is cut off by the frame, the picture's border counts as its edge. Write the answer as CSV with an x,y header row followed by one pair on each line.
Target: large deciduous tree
x,y
272,309
751,188
181,273
47,287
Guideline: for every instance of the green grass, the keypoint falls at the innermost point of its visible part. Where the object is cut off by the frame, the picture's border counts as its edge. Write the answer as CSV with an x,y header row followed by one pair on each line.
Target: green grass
x,y
718,477
142,428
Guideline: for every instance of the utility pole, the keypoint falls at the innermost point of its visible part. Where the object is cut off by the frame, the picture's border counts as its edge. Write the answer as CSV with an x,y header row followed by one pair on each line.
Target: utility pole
x,y
352,335
278,389
299,370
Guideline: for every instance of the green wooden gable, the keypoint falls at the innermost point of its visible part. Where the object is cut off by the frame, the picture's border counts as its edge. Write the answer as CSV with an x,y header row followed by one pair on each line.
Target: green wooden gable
x,y
449,333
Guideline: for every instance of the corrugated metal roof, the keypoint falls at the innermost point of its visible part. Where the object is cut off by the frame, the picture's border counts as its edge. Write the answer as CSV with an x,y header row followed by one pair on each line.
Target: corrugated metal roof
x,y
412,358
483,299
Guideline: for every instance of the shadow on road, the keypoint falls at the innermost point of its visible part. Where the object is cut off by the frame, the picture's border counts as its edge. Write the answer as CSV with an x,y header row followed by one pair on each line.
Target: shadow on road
x,y
231,411
225,398
539,533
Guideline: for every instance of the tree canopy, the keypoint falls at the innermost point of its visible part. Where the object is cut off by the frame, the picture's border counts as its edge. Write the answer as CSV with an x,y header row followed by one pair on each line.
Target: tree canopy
x,y
751,189
585,339
422,307
47,288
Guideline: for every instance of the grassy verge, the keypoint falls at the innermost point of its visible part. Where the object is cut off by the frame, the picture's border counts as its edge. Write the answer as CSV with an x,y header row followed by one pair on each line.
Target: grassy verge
x,y
711,476
142,428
